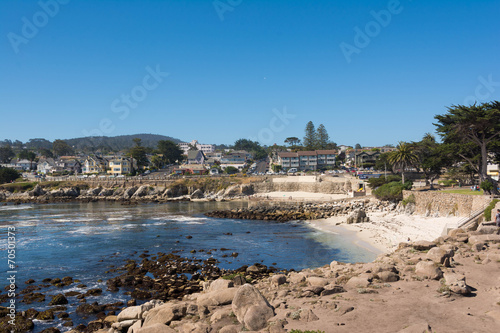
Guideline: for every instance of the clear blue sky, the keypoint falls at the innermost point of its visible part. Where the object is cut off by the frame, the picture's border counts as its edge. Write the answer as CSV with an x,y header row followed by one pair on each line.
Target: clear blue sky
x,y
232,66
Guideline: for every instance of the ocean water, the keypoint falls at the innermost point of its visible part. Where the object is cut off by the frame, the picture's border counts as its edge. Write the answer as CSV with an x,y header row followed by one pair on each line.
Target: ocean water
x,y
83,240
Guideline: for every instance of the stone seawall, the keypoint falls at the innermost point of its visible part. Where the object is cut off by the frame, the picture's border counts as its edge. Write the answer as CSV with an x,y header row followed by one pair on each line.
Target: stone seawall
x,y
433,203
318,187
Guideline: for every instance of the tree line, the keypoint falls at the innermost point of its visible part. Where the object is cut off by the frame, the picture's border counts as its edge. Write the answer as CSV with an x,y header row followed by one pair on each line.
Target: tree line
x,y
470,138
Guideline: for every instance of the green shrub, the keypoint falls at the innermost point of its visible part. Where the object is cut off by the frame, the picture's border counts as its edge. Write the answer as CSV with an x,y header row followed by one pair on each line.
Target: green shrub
x,y
19,187
8,175
376,182
489,208
410,199
486,186
448,182
392,191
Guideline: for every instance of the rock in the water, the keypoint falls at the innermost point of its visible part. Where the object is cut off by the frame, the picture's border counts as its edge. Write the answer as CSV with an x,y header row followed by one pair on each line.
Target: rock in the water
x,y
251,308
58,299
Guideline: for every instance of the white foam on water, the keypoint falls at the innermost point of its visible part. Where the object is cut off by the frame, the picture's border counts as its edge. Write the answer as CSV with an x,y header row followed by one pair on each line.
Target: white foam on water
x,y
18,207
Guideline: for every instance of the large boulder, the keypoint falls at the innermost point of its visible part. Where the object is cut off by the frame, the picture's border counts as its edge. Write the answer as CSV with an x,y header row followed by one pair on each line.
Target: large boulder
x,y
428,270
216,298
58,299
278,279
107,192
197,194
164,314
484,239
317,281
94,191
37,191
156,328
141,191
72,192
247,189
220,284
423,245
129,192
357,216
232,191
456,283
439,255
357,282
251,308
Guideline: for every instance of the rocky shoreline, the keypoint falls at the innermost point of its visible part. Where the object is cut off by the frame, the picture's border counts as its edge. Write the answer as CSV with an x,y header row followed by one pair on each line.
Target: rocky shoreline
x,y
354,210
156,278
447,285
143,193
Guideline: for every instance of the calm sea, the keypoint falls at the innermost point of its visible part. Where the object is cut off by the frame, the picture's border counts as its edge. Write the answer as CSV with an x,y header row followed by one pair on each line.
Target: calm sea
x,y
83,240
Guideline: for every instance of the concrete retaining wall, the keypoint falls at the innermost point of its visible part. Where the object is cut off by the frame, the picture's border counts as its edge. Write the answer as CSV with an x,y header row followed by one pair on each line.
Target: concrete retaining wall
x,y
435,203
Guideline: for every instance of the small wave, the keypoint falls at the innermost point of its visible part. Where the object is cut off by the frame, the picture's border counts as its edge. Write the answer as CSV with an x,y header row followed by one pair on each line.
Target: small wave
x,y
18,207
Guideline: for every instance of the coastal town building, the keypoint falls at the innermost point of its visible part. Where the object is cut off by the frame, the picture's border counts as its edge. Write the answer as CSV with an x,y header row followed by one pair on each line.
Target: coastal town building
x,y
119,166
493,171
236,159
307,160
196,157
366,158
192,169
205,148
94,164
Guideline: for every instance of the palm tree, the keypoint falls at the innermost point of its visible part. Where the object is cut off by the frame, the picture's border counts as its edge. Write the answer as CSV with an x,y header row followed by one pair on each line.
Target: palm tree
x,y
402,158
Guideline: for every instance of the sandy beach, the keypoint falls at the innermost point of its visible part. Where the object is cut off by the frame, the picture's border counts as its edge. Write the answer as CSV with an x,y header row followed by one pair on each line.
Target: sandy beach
x,y
385,231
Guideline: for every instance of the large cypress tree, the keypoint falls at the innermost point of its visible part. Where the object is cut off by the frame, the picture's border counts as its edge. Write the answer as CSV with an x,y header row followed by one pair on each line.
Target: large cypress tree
x,y
473,133
322,137
310,139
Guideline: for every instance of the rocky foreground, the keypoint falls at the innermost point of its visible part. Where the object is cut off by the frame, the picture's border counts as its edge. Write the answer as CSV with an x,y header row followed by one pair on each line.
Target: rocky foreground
x,y
451,284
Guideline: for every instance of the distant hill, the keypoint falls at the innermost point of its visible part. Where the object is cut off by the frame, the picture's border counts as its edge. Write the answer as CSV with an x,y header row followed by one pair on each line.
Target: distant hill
x,y
116,143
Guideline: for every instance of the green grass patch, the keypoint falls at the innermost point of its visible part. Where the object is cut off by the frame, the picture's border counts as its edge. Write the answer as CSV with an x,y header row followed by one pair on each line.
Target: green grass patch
x,y
18,187
465,191
489,208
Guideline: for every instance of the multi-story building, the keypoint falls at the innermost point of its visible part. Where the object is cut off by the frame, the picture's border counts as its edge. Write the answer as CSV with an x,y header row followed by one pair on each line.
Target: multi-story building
x,y
196,157
94,164
119,166
205,148
307,160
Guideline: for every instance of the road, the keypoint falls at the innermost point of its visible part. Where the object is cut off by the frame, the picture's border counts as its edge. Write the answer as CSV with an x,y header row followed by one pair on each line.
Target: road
x,y
262,166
